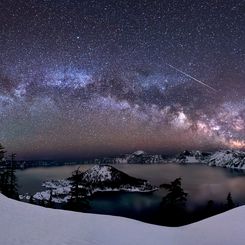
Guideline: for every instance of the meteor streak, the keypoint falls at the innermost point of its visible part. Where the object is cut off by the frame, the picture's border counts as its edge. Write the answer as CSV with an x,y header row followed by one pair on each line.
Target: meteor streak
x,y
193,78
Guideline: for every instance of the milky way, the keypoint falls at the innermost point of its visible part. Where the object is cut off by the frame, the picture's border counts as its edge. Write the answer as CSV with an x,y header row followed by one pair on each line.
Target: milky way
x,y
88,78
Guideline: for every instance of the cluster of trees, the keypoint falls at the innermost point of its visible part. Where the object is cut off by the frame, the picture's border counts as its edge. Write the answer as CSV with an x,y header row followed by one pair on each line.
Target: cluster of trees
x,y
173,206
78,196
8,180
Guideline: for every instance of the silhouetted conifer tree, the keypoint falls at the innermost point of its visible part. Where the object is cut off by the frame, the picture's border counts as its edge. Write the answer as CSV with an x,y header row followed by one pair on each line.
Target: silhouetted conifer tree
x,y
176,196
8,180
173,204
50,203
13,187
31,200
78,195
230,204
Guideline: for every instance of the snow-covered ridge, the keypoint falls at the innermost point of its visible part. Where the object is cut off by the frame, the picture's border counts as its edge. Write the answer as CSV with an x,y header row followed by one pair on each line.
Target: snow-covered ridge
x,y
228,159
192,157
22,223
223,158
137,157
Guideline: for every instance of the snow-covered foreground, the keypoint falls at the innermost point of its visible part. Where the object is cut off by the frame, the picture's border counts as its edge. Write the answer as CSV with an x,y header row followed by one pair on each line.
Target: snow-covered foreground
x,y
24,224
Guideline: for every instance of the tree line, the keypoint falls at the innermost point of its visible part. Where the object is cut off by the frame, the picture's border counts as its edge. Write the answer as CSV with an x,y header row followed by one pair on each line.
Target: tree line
x,y
173,206
8,180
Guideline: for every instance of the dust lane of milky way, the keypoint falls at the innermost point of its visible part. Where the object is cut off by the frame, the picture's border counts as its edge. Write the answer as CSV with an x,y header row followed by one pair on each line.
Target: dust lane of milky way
x,y
88,78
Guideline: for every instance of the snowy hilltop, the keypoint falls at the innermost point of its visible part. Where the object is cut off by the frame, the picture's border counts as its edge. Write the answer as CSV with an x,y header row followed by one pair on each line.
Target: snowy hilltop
x,y
23,223
223,158
99,178
103,177
141,157
192,157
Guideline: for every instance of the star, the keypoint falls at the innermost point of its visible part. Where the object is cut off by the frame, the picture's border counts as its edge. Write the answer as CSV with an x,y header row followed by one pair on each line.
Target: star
x,y
89,78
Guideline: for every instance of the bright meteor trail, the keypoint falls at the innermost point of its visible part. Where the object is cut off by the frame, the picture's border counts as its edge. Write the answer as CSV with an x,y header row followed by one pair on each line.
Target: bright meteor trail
x,y
193,78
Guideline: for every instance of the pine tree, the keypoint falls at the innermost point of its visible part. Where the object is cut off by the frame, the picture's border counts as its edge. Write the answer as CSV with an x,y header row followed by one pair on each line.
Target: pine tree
x,y
42,203
8,180
210,209
4,181
230,204
75,192
2,169
13,187
78,200
176,196
50,203
173,204
2,153
31,200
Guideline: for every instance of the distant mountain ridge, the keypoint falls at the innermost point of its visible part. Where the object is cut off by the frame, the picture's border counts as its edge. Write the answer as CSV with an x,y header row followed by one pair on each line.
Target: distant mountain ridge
x,y
192,157
137,157
222,158
228,159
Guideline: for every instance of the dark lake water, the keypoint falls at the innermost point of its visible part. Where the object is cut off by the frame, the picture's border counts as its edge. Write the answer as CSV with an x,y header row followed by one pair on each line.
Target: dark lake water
x,y
201,182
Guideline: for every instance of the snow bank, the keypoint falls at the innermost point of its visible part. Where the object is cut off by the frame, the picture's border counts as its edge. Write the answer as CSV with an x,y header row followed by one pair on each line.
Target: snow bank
x,y
27,224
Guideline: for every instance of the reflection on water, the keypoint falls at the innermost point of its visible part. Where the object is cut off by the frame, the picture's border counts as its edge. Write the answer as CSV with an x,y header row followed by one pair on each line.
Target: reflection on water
x,y
201,182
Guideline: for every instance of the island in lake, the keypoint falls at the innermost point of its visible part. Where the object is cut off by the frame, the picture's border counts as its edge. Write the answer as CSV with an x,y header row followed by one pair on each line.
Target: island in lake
x,y
99,178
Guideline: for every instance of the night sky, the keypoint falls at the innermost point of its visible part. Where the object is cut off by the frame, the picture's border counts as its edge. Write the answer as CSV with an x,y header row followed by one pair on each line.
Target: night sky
x,y
90,78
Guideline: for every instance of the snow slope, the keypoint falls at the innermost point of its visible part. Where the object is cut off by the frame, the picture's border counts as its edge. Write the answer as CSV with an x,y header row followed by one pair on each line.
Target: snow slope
x,y
22,223
228,159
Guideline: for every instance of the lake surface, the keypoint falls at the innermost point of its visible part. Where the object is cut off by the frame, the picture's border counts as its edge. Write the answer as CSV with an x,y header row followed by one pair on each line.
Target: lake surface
x,y
201,182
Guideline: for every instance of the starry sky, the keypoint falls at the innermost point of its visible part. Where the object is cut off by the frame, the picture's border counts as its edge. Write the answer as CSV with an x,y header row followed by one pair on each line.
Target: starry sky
x,y
86,78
